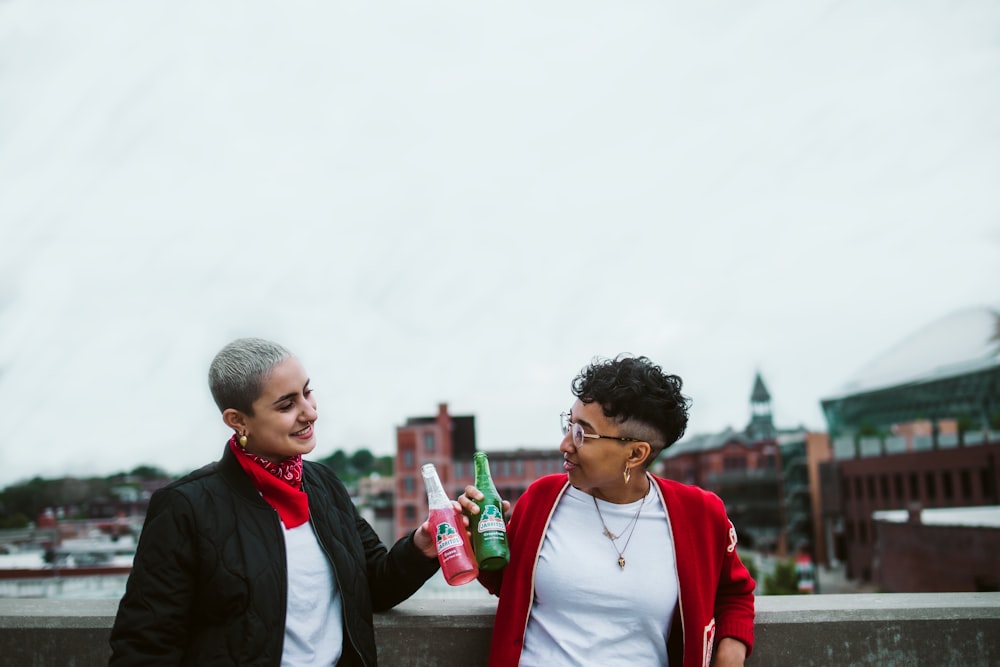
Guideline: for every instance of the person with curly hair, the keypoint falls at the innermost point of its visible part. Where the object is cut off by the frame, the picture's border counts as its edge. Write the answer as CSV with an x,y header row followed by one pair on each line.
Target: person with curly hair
x,y
609,564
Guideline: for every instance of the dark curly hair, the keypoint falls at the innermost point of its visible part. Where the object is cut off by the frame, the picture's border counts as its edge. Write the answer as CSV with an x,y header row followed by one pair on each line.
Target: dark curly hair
x,y
637,394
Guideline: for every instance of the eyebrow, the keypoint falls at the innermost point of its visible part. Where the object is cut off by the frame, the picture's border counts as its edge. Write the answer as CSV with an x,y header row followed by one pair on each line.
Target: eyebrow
x,y
584,422
291,395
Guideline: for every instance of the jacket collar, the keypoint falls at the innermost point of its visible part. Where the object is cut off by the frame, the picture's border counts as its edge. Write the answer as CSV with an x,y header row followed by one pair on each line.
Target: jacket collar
x,y
230,471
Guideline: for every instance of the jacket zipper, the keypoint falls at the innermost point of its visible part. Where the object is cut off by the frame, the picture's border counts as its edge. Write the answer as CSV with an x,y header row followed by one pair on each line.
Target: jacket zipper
x,y
284,581
340,588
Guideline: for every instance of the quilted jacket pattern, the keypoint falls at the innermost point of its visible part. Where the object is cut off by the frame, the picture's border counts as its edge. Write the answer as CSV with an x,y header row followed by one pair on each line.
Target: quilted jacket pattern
x,y
208,583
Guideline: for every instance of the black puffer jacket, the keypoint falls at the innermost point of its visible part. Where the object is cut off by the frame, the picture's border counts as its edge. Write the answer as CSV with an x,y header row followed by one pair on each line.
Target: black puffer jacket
x,y
208,584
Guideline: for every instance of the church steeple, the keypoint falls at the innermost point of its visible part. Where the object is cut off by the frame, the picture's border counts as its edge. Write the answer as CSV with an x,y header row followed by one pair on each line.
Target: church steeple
x,y
761,423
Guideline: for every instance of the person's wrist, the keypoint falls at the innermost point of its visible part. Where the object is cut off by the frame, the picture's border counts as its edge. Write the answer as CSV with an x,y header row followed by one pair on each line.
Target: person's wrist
x,y
730,652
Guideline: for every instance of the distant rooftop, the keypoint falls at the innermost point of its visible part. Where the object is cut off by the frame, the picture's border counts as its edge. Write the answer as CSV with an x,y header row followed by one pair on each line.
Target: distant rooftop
x,y
705,442
759,393
962,342
987,516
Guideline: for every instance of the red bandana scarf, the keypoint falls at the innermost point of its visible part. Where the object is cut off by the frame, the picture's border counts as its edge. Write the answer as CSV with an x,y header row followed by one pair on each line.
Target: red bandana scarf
x,y
279,484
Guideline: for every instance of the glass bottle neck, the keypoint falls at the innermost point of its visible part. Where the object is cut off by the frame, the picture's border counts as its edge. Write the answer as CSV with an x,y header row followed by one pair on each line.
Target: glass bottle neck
x,y
436,497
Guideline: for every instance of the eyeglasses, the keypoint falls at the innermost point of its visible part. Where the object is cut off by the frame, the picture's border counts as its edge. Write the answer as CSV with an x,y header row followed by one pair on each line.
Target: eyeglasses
x,y
579,434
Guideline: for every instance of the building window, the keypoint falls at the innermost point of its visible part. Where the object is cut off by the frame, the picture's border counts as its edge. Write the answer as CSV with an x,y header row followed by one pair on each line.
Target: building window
x,y
931,487
914,487
966,480
408,458
408,485
845,489
986,481
519,467
857,489
883,484
734,463
946,489
410,512
458,469
428,442
898,482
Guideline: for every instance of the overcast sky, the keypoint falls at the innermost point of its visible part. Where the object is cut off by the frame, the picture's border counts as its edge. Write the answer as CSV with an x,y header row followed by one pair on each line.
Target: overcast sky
x,y
465,202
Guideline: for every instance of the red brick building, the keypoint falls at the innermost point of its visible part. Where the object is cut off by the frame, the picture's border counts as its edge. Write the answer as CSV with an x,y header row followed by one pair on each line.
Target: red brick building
x,y
449,441
956,477
938,550
764,475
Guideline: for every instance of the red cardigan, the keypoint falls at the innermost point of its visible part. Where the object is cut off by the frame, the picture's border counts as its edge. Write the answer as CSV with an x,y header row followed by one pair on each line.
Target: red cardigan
x,y
716,591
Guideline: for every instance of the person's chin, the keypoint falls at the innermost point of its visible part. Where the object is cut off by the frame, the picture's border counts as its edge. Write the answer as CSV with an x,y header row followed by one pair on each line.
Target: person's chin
x,y
305,447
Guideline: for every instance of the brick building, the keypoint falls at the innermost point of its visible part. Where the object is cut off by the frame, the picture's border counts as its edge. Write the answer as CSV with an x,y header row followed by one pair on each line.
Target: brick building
x,y
449,441
919,427
937,550
762,473
855,487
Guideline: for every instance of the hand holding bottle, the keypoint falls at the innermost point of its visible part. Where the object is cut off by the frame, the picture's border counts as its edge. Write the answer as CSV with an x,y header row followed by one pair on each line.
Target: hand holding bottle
x,y
449,531
423,537
469,503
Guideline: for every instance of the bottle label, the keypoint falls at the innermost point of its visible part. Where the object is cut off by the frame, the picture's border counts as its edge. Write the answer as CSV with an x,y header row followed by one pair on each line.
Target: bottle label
x,y
447,538
491,520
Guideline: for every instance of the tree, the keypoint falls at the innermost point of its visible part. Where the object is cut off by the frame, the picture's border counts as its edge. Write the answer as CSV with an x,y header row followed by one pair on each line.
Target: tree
x,y
783,581
361,463
336,462
385,465
15,520
362,460
148,473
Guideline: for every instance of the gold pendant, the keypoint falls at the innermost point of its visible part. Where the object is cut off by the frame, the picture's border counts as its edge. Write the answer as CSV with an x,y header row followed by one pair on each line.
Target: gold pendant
x,y
621,562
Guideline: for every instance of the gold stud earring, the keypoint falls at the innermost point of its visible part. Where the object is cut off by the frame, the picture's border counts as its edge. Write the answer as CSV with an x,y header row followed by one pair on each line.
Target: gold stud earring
x,y
627,475
243,441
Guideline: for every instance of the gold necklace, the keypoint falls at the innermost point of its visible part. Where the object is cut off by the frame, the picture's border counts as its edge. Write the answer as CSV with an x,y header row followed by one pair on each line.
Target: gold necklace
x,y
614,538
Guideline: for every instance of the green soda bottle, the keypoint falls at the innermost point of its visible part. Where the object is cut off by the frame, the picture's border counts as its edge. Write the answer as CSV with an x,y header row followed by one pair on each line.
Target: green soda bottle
x,y
489,532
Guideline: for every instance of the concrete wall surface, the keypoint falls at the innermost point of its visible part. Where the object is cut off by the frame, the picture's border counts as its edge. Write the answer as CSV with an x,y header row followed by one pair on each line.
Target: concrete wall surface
x,y
887,630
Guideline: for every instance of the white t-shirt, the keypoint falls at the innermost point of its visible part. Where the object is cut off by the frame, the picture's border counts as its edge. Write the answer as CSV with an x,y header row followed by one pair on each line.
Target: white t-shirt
x,y
589,611
314,631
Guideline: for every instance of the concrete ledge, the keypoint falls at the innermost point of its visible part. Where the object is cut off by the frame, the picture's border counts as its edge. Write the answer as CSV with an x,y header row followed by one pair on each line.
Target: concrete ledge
x,y
887,630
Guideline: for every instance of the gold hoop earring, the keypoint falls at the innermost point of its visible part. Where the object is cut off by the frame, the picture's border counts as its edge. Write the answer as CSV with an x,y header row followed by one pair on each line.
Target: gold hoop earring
x,y
627,475
243,441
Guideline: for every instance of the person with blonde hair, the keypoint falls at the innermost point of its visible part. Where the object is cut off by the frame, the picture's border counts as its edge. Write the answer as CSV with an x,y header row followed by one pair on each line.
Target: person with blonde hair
x,y
261,557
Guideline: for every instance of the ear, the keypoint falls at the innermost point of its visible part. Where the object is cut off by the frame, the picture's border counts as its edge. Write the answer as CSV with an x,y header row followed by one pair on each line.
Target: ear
x,y
639,453
234,419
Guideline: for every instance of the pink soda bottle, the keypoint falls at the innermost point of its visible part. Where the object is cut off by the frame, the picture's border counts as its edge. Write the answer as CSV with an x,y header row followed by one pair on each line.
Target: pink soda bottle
x,y
458,564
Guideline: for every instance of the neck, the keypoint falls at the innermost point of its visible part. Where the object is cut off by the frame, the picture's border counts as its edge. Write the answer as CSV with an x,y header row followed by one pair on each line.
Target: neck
x,y
623,494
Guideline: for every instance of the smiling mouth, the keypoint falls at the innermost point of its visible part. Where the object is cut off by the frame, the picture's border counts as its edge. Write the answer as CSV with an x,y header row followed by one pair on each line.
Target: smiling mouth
x,y
304,430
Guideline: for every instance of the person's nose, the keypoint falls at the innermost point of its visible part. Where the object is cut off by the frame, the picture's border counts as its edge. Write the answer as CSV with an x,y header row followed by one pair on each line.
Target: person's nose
x,y
566,446
310,414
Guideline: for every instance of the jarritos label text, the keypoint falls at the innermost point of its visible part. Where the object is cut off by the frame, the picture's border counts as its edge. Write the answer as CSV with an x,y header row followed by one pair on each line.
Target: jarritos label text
x,y
448,542
491,520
